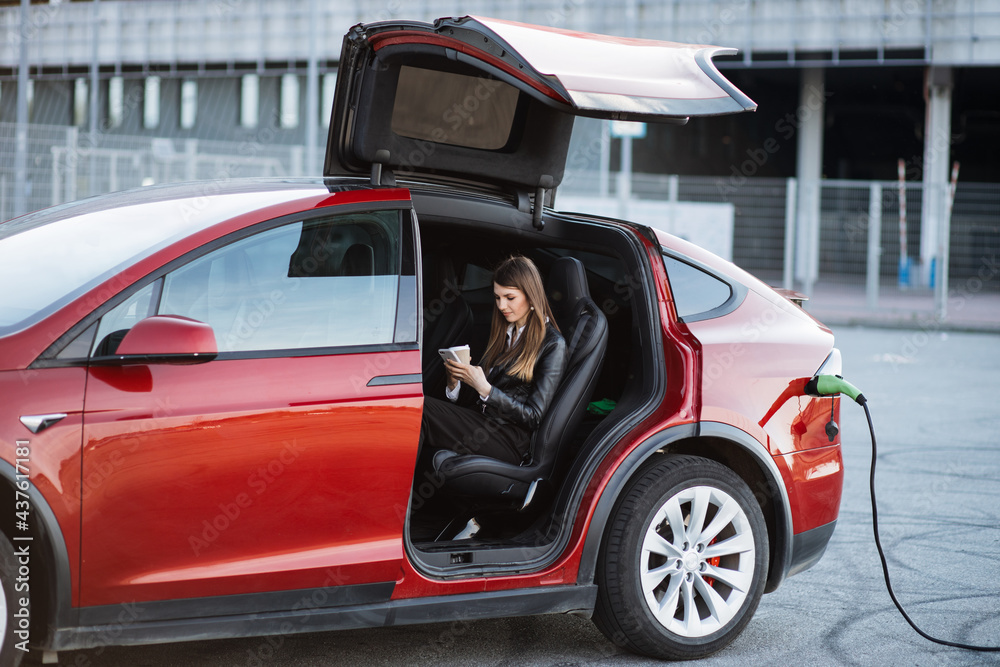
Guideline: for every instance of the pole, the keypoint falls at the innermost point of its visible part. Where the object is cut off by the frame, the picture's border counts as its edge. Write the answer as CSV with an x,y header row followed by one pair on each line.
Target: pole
x,y
21,132
312,92
605,169
625,177
790,207
944,248
673,194
904,261
874,245
95,30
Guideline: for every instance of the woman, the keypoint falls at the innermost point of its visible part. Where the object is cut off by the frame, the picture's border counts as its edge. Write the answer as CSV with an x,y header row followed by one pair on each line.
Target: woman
x,y
493,412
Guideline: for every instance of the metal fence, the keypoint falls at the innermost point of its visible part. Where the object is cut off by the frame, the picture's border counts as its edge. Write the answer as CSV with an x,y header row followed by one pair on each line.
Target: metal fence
x,y
65,163
759,222
861,240
870,256
859,237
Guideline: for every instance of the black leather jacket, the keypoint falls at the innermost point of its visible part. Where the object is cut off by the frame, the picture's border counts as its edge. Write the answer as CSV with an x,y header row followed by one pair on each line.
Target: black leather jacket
x,y
513,401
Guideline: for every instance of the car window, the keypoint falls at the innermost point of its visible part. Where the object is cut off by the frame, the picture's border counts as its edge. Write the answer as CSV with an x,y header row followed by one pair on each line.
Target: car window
x,y
320,283
116,323
455,109
476,277
695,292
325,282
604,266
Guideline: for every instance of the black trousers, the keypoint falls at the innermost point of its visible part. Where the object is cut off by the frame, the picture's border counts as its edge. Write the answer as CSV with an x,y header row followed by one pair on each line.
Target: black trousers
x,y
468,431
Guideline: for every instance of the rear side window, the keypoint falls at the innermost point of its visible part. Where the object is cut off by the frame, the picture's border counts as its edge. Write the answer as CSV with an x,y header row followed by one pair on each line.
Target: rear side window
x,y
456,109
697,294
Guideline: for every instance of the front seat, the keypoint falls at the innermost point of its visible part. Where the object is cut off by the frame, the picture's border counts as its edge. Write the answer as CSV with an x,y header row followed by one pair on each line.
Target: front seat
x,y
447,321
586,331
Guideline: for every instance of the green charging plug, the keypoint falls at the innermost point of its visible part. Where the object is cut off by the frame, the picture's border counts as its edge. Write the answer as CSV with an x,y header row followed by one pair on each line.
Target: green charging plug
x,y
829,385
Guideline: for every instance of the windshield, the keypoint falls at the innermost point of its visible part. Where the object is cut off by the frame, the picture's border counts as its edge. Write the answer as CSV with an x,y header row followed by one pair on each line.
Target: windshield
x,y
48,259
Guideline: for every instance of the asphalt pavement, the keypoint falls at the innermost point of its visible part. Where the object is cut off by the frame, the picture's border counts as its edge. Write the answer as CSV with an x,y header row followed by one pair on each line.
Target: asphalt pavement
x,y
934,400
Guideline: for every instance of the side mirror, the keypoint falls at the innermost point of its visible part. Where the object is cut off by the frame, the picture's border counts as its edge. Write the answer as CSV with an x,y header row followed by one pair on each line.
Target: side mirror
x,y
167,339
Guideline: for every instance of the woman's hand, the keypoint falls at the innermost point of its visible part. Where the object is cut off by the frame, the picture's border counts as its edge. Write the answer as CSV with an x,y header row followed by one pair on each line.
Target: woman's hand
x,y
470,375
450,378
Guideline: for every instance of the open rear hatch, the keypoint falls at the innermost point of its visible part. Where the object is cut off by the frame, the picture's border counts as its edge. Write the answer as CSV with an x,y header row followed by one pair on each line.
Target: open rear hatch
x,y
492,102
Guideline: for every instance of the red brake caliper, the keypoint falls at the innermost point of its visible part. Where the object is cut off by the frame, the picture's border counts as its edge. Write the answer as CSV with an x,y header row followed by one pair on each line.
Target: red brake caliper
x,y
714,562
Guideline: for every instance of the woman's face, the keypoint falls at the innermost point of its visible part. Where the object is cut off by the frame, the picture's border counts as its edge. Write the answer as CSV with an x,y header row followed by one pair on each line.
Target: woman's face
x,y
513,304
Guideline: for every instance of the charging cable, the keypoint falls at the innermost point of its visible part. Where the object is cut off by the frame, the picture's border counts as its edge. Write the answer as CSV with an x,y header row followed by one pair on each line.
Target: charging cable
x,y
830,385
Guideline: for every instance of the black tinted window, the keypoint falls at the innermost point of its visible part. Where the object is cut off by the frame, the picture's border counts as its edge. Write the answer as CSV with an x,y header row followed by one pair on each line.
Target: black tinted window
x,y
695,291
456,109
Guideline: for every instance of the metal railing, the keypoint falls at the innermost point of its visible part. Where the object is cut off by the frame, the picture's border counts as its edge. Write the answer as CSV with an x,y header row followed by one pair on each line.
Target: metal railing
x,y
65,164
860,244
859,239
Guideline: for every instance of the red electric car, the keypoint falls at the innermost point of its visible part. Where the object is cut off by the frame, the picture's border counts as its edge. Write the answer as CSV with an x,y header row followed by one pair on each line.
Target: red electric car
x,y
212,391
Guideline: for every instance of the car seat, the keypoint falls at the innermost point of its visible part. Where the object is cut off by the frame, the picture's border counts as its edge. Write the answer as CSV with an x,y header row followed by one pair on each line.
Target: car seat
x,y
586,331
447,322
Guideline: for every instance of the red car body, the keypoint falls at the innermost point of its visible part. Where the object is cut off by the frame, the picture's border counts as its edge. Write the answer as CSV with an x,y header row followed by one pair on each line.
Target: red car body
x,y
177,497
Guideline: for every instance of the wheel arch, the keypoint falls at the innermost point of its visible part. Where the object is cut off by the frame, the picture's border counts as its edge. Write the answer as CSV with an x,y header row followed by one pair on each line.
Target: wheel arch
x,y
726,444
50,583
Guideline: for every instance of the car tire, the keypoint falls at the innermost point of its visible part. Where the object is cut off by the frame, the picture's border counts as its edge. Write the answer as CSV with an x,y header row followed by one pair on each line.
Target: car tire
x,y
670,590
9,653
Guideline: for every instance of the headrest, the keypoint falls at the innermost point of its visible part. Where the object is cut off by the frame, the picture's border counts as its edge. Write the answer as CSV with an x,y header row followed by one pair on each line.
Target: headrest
x,y
359,260
565,286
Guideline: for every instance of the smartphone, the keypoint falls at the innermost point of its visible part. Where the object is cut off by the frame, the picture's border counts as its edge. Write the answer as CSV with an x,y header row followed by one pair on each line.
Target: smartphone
x,y
459,353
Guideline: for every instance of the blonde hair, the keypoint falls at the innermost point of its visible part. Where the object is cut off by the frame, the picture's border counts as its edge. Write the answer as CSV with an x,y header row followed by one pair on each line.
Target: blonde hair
x,y
521,273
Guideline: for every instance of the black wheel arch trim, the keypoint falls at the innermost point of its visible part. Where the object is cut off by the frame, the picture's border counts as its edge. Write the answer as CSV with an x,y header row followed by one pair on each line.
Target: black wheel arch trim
x,y
783,552
56,558
809,546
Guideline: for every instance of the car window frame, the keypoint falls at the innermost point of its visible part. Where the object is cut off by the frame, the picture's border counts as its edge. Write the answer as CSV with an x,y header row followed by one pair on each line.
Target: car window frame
x,y
737,290
408,233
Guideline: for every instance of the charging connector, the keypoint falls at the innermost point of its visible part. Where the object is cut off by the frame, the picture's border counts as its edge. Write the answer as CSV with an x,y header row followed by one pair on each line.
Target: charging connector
x,y
831,385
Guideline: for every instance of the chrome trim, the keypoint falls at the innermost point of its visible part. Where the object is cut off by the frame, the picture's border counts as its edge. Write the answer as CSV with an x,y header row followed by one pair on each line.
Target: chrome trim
x,y
38,423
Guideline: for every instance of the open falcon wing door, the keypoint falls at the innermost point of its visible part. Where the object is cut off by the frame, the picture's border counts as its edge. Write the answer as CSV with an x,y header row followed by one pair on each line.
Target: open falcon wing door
x,y
491,102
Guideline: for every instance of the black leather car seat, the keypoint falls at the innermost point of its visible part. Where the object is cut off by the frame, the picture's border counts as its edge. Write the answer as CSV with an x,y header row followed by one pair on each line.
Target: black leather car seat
x,y
447,322
586,331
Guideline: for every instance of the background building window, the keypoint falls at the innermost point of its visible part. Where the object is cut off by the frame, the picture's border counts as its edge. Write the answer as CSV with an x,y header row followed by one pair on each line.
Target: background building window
x,y
289,100
189,103
116,101
151,103
249,100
